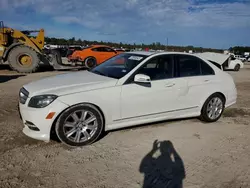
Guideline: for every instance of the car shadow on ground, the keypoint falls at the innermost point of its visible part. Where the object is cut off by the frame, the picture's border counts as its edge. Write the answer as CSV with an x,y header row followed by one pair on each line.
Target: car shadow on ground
x,y
6,78
165,170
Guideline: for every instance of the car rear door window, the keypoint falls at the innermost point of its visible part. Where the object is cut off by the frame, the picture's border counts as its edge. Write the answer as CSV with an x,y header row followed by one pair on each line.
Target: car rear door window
x,y
188,66
192,66
206,69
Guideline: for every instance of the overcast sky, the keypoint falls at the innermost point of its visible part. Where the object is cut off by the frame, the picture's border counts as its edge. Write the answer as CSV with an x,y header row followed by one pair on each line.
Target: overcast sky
x,y
205,23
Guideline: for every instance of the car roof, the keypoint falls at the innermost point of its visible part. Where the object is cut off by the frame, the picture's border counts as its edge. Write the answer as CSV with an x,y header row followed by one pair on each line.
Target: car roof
x,y
150,53
99,45
216,57
147,53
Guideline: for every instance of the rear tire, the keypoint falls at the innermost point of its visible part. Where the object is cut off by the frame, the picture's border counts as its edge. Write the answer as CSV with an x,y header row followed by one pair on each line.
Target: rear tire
x,y
90,62
23,59
213,108
237,67
75,128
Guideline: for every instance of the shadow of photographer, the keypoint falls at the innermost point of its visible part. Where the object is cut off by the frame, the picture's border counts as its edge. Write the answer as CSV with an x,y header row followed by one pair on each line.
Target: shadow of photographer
x,y
166,170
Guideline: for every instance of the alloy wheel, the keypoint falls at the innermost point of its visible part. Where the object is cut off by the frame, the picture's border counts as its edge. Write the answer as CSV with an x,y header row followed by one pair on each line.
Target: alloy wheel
x,y
214,108
80,126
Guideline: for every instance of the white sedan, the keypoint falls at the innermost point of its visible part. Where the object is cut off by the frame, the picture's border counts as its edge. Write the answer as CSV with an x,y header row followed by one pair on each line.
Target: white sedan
x,y
129,89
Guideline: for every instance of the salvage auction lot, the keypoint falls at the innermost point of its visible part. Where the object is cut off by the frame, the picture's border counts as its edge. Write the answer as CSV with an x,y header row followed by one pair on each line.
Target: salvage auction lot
x,y
214,155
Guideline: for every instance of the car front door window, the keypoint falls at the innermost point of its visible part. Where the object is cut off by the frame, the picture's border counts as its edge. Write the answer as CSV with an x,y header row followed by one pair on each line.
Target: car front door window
x,y
158,68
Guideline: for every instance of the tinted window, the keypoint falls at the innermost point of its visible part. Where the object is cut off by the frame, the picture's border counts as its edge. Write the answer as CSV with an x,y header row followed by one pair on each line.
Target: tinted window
x,y
151,64
108,50
99,49
158,68
102,49
192,66
96,49
216,64
206,69
188,66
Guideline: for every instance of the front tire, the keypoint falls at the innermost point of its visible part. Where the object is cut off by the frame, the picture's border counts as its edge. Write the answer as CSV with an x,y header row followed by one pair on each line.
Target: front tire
x,y
23,59
213,108
79,125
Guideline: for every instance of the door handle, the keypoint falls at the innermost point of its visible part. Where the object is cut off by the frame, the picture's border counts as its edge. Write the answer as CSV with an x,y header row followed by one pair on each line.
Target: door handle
x,y
169,84
206,80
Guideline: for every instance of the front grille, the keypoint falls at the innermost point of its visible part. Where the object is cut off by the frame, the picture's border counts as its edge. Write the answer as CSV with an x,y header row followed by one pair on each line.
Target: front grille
x,y
23,95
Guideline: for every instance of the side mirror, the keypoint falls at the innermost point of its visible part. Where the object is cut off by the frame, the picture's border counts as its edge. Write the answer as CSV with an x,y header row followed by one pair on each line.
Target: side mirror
x,y
142,78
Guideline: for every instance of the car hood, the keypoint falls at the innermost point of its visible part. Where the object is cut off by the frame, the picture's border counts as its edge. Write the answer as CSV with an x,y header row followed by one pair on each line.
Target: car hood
x,y
67,83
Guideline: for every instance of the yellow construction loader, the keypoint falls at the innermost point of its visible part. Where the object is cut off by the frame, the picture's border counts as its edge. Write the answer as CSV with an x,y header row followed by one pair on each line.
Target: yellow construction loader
x,y
25,54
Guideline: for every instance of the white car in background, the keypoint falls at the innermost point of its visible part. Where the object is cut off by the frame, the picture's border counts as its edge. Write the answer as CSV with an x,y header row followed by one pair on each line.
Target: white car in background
x,y
240,57
223,61
129,89
235,64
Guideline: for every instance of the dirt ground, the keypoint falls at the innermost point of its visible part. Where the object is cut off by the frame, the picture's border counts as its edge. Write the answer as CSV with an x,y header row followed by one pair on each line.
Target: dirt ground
x,y
212,155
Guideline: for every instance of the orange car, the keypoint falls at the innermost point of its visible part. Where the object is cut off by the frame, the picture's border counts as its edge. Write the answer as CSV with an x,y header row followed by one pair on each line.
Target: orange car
x,y
93,55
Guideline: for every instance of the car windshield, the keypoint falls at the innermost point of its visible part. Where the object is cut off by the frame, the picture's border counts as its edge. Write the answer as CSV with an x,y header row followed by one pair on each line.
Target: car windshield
x,y
119,65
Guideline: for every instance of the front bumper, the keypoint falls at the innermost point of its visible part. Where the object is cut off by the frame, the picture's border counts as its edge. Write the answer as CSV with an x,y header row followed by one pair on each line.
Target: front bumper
x,y
34,120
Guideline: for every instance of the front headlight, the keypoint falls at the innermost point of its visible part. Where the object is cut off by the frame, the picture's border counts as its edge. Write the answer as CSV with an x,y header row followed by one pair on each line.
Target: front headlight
x,y
41,101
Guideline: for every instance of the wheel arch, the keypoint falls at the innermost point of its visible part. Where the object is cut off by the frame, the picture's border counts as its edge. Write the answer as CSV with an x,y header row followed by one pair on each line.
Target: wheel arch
x,y
217,92
203,111
223,96
8,49
52,129
85,59
89,56
237,64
